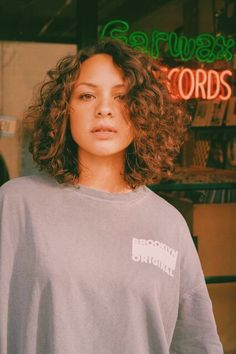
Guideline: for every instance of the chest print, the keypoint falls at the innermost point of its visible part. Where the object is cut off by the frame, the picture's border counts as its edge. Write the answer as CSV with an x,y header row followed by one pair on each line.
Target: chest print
x,y
156,253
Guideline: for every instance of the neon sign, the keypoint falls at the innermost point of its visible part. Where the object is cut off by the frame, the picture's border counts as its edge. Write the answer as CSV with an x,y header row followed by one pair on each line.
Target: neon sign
x,y
204,48
186,83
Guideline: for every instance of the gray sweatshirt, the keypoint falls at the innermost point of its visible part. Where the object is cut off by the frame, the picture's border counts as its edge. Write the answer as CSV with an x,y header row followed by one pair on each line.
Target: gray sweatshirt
x,y
84,271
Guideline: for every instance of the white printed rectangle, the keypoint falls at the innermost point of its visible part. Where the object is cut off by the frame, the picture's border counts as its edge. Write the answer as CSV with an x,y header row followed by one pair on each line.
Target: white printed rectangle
x,y
156,253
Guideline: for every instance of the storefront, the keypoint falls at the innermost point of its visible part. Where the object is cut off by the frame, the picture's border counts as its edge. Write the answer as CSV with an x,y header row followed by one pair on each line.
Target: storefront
x,y
195,44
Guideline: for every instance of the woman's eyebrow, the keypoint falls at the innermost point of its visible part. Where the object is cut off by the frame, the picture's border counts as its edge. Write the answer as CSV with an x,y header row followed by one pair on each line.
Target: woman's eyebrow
x,y
119,86
94,85
86,84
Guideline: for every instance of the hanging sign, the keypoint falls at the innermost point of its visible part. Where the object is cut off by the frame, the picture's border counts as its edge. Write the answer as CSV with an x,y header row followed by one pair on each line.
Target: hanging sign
x,y
7,126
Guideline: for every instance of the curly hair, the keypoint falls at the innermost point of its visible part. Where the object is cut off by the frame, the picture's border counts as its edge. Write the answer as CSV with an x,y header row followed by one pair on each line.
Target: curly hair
x,y
159,121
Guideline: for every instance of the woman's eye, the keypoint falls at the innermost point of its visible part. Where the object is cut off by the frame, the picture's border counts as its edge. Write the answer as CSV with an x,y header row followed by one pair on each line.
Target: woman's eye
x,y
86,97
120,97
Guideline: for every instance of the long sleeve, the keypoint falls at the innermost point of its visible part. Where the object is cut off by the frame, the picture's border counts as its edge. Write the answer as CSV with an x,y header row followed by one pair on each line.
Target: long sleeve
x,y
9,230
85,271
195,331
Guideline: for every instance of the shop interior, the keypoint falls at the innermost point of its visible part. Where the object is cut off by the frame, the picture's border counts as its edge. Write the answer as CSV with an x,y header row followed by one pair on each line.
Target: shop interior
x,y
34,34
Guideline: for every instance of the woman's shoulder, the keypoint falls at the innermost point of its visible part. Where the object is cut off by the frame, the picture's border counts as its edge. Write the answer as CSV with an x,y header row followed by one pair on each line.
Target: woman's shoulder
x,y
162,207
26,184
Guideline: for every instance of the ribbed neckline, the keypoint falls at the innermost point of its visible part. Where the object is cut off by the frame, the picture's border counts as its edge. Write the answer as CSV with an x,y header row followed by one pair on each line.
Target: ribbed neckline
x,y
136,194
131,196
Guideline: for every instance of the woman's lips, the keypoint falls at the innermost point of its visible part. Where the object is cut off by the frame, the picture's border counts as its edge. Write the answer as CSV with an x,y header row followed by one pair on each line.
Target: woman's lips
x,y
104,134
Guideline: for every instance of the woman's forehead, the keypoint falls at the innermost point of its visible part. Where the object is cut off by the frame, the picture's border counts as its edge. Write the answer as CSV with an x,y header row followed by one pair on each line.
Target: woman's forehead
x,y
100,68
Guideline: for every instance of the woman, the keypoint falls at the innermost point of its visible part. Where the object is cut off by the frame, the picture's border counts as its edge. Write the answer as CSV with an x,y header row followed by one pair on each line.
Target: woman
x,y
92,261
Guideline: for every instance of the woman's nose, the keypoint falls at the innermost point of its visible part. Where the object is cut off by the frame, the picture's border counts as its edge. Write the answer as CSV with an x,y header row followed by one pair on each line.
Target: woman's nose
x,y
104,109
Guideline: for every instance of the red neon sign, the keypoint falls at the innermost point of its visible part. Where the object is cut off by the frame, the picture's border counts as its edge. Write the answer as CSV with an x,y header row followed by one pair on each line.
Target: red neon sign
x,y
186,83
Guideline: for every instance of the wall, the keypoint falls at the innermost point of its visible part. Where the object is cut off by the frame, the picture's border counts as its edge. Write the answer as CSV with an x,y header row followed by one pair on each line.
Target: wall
x,y
215,226
23,66
167,17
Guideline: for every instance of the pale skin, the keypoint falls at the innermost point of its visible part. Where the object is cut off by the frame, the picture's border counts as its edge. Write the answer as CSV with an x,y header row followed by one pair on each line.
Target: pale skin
x,y
99,124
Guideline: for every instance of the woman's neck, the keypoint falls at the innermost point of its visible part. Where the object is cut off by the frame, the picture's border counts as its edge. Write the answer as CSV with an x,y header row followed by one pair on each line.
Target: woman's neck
x,y
103,173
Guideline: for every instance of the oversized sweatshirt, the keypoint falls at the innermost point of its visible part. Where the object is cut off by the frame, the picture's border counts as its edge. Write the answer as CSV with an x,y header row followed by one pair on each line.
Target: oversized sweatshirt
x,y
83,271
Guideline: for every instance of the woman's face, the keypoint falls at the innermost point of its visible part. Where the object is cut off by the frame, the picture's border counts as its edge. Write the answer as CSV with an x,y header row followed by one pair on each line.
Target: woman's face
x,y
99,124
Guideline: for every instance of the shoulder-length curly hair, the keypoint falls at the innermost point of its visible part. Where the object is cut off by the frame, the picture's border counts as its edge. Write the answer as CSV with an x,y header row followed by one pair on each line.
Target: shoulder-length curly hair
x,y
159,122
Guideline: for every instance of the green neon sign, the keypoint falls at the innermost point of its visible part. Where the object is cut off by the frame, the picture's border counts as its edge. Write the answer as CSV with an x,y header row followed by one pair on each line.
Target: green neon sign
x,y
204,48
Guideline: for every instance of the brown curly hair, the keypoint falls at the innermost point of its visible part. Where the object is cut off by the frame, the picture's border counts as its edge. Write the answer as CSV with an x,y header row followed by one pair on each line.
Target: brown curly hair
x,y
159,122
